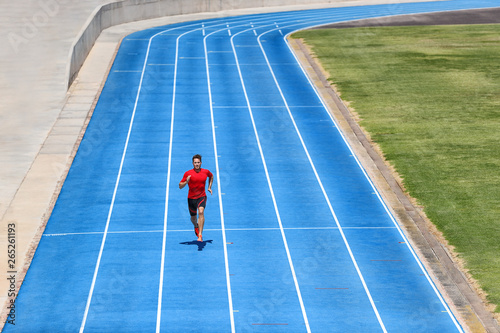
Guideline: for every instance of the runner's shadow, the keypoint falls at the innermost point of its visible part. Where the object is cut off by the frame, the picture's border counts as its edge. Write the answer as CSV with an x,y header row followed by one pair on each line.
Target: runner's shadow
x,y
201,245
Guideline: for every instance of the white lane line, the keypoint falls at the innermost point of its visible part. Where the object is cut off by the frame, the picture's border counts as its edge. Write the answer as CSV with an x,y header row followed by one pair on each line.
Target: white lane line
x,y
167,193
277,26
348,247
290,262
101,232
209,229
219,191
253,28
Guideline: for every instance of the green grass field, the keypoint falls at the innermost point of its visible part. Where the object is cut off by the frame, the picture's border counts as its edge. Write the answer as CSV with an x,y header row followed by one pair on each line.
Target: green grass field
x,y
430,98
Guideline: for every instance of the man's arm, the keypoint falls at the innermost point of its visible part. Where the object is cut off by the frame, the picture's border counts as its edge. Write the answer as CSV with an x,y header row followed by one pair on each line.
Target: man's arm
x,y
182,184
210,182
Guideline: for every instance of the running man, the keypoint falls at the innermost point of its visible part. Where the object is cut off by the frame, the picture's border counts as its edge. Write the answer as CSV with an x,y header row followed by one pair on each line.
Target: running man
x,y
197,197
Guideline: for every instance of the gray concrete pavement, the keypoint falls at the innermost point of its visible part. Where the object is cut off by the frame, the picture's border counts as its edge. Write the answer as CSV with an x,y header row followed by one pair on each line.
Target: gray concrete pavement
x,y
35,40
41,122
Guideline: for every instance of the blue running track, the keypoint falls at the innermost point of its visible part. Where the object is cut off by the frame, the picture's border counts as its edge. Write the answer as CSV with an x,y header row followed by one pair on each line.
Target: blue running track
x,y
296,238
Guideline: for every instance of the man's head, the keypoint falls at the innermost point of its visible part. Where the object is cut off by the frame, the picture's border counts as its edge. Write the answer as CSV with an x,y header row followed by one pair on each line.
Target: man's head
x,y
197,162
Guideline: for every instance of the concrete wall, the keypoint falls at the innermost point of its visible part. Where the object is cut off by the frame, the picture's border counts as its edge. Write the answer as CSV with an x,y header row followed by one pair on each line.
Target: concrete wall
x,y
136,10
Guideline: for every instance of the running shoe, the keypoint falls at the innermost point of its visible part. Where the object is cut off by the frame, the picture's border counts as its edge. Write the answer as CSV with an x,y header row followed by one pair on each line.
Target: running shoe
x,y
196,231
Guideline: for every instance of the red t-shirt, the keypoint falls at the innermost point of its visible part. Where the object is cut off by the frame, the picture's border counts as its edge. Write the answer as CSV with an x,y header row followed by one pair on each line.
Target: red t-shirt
x,y
197,182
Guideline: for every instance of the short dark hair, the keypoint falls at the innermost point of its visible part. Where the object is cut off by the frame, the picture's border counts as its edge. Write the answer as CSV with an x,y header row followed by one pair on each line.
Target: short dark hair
x,y
198,156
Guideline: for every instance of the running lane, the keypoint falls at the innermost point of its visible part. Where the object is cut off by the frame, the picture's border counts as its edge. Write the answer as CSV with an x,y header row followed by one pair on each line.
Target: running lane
x,y
296,237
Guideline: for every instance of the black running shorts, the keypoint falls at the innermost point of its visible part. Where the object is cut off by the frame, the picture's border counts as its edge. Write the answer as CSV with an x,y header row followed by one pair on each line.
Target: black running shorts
x,y
195,203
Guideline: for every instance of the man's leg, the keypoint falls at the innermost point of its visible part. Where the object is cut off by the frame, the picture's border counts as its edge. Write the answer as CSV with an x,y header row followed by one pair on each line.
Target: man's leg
x,y
195,224
193,212
201,222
